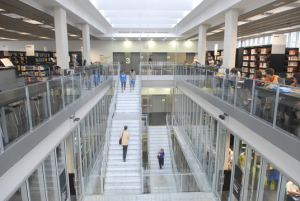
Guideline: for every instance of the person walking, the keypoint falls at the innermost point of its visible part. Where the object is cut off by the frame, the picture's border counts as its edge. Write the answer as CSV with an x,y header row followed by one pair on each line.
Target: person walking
x,y
96,78
123,77
161,157
124,135
132,78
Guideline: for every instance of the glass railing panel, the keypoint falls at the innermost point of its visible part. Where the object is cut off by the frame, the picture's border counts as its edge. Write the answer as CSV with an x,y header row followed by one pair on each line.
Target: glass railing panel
x,y
68,90
218,85
14,115
202,78
209,82
77,80
229,88
38,100
243,93
56,98
264,101
288,110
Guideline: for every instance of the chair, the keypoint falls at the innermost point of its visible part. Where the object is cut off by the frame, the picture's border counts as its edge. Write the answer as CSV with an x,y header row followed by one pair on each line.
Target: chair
x,y
281,81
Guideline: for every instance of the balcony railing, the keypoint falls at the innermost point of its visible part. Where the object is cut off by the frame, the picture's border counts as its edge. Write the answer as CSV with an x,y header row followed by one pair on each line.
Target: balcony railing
x,y
26,108
276,104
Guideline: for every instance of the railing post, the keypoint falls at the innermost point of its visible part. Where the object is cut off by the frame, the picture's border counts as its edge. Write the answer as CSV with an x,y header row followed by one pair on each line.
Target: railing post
x,y
181,184
276,106
48,97
4,133
62,92
28,108
252,98
73,88
223,87
235,90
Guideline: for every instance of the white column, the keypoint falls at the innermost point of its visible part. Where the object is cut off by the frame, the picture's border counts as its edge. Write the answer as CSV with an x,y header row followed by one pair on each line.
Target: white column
x,y
86,43
61,37
230,38
202,43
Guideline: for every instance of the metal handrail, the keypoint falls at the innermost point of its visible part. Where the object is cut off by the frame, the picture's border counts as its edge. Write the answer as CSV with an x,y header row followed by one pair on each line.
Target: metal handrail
x,y
174,166
112,110
140,138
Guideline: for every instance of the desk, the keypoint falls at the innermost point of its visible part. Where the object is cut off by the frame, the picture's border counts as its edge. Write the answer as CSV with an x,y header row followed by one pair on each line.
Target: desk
x,y
292,197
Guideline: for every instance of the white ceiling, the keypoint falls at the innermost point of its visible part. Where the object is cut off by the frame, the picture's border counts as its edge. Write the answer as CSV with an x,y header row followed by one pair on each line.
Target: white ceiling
x,y
145,14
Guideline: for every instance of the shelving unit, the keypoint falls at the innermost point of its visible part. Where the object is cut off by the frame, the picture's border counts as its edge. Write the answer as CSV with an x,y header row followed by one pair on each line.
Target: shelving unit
x,y
218,56
34,73
78,58
255,58
44,57
291,62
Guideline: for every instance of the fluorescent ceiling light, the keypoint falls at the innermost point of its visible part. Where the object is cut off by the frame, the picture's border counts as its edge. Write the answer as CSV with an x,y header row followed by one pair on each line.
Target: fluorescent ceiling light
x,y
1,28
53,29
194,38
242,22
217,30
12,31
256,17
280,9
46,26
23,33
222,28
1,38
12,39
13,15
2,9
30,21
44,37
73,35
208,34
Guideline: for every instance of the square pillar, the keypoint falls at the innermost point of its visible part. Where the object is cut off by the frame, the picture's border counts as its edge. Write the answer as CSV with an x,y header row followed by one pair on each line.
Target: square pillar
x,y
61,37
230,38
202,43
86,43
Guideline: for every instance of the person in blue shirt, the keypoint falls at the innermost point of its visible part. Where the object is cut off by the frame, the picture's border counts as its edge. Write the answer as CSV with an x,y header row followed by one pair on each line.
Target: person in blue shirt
x,y
96,79
123,77
161,157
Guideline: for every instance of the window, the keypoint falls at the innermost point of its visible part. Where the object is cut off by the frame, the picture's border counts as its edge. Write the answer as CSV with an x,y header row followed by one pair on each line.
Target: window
x,y
293,39
287,39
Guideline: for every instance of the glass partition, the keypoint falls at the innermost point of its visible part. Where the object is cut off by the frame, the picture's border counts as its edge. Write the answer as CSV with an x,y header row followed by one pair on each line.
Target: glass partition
x,y
36,186
20,194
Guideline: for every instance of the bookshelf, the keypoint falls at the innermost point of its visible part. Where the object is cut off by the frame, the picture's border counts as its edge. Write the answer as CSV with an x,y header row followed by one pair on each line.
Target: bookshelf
x,y
291,62
33,73
219,56
255,58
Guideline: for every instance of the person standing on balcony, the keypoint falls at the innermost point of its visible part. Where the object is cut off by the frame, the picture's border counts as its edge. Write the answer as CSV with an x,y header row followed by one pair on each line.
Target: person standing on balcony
x,y
161,157
124,135
132,78
123,77
150,65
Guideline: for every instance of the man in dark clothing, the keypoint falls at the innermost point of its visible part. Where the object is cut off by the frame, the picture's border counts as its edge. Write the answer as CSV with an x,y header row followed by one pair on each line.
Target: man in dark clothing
x,y
56,70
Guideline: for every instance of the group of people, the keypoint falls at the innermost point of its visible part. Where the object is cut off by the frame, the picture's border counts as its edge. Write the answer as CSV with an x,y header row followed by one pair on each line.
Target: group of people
x,y
132,79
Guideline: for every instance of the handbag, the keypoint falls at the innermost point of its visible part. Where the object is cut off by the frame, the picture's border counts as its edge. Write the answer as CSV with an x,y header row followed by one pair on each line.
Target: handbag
x,y
120,140
158,156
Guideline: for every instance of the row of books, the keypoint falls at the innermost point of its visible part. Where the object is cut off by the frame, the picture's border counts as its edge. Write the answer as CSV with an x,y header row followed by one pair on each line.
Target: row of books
x,y
255,51
252,70
293,58
293,64
24,68
293,52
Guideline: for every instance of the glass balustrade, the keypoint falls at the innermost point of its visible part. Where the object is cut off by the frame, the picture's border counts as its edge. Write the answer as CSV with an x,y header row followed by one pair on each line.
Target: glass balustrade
x,y
23,109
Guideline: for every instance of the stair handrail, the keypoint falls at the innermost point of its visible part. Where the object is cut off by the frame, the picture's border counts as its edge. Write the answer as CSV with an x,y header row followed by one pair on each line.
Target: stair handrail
x,y
112,110
140,124
174,166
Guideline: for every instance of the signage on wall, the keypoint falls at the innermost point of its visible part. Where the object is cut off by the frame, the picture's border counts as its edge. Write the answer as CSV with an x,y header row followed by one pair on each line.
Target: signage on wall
x,y
168,57
127,60
5,50
29,50
237,184
163,100
45,49
278,44
63,186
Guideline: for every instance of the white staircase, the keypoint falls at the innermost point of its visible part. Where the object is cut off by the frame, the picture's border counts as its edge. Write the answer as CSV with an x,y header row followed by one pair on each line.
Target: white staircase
x,y
164,183
124,178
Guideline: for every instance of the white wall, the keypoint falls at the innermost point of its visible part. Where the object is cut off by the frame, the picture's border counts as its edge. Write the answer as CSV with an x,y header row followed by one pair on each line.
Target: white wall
x,y
105,47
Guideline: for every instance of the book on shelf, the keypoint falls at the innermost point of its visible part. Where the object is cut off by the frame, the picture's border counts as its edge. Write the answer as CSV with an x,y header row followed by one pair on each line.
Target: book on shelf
x,y
264,51
253,51
246,70
252,64
293,64
263,72
246,58
263,65
292,52
251,70
251,76
263,58
290,69
293,58
289,75
245,51
253,58
245,63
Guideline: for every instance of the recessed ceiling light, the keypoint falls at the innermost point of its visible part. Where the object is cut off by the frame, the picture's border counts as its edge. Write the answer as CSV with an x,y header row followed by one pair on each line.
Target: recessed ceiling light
x,y
1,38
30,21
217,30
46,26
1,28
2,9
256,17
53,29
13,15
242,22
208,34
44,37
12,31
280,9
73,35
23,33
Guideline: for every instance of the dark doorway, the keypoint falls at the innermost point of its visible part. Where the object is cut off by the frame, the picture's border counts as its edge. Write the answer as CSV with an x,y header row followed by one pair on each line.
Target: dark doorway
x,y
135,62
190,57
119,57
